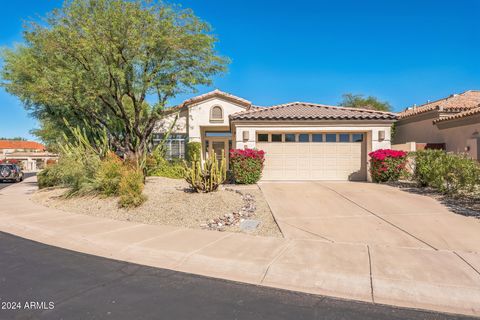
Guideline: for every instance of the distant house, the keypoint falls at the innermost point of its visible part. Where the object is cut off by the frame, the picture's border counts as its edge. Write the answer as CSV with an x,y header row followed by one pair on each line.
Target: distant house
x,y
30,154
451,123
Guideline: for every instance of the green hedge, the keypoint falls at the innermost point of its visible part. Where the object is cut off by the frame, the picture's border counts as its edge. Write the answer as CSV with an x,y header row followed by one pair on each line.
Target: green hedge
x,y
448,172
194,150
158,166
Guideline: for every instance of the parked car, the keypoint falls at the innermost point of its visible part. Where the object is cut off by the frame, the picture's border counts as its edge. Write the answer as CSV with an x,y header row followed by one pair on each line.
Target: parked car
x,y
10,172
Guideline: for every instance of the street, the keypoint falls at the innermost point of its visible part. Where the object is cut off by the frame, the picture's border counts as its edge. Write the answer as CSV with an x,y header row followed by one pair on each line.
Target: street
x,y
26,175
44,282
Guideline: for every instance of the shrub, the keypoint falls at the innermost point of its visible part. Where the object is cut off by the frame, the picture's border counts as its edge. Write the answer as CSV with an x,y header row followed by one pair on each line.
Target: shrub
x,y
49,177
157,165
169,169
131,187
387,165
109,174
76,172
194,150
426,172
246,165
208,177
447,172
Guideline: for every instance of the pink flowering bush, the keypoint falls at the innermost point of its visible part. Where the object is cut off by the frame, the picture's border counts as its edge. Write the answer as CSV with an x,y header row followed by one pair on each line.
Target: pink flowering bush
x,y
246,165
387,164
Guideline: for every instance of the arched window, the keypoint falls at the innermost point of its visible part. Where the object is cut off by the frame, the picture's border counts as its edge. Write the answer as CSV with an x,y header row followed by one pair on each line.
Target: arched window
x,y
216,113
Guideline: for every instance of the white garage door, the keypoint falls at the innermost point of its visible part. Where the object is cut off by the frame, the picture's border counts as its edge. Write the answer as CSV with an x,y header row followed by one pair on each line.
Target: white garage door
x,y
332,156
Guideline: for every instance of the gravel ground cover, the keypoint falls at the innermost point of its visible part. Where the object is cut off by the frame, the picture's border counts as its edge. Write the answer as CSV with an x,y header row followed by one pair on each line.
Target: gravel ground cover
x,y
464,204
170,202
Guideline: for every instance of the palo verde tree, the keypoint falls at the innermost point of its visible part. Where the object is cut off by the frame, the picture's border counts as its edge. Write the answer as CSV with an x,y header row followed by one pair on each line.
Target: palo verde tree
x,y
111,64
359,101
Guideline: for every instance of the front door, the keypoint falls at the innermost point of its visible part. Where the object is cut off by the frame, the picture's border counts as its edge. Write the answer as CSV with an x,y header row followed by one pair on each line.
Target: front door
x,y
217,146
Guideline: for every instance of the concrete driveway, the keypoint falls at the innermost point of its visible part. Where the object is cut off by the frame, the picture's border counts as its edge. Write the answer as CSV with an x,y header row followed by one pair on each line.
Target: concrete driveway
x,y
367,213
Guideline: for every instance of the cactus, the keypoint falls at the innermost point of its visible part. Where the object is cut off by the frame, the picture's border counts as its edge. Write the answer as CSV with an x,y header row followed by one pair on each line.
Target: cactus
x,y
208,177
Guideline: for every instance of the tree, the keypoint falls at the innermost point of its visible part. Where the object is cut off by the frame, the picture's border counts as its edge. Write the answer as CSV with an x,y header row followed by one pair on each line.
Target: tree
x,y
358,101
97,62
14,138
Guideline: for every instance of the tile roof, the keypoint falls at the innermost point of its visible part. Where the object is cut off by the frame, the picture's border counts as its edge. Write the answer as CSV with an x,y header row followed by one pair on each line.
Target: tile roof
x,y
216,93
453,103
311,111
209,95
18,144
460,115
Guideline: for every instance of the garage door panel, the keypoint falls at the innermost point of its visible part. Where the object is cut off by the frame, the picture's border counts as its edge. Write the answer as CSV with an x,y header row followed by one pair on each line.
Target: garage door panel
x,y
314,161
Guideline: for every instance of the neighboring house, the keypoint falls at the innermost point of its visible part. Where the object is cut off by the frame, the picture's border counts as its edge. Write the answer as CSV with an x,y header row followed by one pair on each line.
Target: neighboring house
x,y
451,123
32,155
461,132
302,141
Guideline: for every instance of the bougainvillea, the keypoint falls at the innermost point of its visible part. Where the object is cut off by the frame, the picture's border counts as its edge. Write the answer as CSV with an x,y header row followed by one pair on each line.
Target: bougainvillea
x,y
246,165
387,164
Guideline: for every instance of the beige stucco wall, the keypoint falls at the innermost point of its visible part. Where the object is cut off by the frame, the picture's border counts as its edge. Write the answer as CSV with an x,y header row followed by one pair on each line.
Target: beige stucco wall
x,y
456,134
373,129
196,118
408,147
459,134
180,125
199,116
418,129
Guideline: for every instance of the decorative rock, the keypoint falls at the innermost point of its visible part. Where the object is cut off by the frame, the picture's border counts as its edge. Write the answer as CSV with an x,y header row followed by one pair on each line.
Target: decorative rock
x,y
236,218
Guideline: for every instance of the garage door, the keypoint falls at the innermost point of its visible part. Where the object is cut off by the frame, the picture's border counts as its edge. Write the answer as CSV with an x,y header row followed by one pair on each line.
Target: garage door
x,y
313,156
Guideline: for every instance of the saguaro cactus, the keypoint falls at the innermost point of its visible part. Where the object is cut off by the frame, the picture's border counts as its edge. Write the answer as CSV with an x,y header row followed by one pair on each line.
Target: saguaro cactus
x,y
208,177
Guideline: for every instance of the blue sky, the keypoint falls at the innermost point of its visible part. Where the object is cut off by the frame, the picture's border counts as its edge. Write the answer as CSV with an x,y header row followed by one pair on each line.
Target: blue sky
x,y
404,52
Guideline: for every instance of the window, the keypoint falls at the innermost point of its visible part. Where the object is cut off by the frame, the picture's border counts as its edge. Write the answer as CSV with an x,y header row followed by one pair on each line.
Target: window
x,y
216,113
317,137
218,134
174,145
357,137
331,137
344,137
262,137
289,137
303,137
276,137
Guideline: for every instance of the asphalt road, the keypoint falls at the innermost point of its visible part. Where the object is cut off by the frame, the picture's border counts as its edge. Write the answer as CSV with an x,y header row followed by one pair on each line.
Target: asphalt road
x,y
6,184
60,284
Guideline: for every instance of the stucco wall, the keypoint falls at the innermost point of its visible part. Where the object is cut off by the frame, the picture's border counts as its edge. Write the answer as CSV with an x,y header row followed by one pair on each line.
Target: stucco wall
x,y
180,126
199,116
280,127
192,120
456,138
418,129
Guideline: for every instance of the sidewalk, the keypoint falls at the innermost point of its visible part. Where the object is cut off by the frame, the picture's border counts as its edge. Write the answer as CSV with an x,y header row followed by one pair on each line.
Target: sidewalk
x,y
419,278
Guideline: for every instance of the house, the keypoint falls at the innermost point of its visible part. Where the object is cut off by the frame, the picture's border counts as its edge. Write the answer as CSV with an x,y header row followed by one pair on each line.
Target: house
x,y
302,141
32,155
451,123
